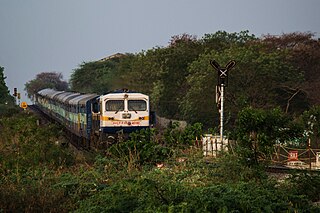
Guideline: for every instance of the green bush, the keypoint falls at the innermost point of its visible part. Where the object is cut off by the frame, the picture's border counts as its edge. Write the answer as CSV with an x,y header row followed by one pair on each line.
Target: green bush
x,y
141,149
8,110
305,184
30,161
183,189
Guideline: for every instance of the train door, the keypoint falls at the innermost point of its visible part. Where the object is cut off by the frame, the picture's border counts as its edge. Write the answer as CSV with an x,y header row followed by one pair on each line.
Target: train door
x,y
95,106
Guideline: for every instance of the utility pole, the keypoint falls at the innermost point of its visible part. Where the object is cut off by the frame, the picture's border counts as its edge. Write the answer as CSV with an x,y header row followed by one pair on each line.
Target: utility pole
x,y
222,83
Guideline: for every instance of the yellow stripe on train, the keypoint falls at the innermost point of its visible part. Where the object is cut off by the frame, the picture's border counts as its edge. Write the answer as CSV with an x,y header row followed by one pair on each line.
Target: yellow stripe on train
x,y
106,118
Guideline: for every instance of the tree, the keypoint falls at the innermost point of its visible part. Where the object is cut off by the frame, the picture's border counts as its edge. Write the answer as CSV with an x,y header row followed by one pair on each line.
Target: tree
x,y
222,40
161,73
44,80
259,130
260,79
5,97
311,121
304,54
7,104
270,72
99,76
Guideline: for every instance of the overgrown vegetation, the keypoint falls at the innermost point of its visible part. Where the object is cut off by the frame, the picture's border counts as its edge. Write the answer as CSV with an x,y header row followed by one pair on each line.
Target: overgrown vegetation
x,y
150,172
30,165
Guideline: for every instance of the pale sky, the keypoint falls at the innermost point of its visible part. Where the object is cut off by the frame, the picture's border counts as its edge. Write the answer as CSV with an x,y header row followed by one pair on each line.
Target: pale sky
x,y
43,36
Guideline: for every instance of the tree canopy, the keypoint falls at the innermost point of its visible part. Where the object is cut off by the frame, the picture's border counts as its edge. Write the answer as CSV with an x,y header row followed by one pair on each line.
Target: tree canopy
x,y
5,97
270,72
44,80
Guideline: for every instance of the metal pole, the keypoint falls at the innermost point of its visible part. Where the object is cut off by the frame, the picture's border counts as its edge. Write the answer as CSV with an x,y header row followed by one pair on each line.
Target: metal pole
x,y
221,115
309,146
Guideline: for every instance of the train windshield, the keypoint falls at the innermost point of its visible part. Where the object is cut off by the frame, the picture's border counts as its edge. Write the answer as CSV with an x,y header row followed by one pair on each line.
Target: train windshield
x,y
115,105
137,105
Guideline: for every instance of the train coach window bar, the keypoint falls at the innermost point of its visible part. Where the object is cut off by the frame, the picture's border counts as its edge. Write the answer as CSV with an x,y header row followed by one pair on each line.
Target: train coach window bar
x,y
115,105
137,105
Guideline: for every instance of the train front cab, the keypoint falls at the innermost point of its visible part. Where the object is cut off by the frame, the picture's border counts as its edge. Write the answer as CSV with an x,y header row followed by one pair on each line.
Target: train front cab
x,y
123,112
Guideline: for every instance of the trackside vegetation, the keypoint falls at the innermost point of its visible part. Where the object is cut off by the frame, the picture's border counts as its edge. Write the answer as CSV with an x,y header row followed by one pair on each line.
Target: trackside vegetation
x,y
153,171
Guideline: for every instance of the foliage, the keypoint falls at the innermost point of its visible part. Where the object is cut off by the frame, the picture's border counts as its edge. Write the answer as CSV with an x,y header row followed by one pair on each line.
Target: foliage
x,y
29,162
102,76
311,124
5,97
303,53
37,175
305,184
8,110
260,76
259,130
194,186
272,71
44,80
176,136
140,149
222,40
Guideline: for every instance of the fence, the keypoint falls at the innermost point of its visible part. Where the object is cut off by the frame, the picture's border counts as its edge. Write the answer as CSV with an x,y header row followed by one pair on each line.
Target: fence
x,y
212,144
296,157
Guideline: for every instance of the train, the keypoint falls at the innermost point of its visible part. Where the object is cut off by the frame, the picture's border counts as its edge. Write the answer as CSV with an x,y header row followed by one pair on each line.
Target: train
x,y
97,121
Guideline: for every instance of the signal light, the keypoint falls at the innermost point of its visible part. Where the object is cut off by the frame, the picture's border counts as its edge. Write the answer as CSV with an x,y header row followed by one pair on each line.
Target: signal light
x,y
15,92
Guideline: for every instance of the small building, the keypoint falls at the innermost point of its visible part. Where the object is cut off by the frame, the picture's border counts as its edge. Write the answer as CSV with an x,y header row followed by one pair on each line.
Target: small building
x,y
117,55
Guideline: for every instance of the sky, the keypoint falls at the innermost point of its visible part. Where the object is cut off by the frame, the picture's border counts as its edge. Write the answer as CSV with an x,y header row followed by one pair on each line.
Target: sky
x,y
58,35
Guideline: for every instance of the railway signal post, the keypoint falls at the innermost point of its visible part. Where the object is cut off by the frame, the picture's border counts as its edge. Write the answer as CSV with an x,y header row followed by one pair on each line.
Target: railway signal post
x,y
222,83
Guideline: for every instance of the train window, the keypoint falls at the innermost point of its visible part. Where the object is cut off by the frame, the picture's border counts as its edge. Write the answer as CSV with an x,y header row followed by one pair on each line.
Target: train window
x,y
82,109
137,105
115,105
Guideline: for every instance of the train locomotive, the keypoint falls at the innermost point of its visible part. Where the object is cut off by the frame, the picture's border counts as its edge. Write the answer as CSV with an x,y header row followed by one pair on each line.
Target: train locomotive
x,y
97,121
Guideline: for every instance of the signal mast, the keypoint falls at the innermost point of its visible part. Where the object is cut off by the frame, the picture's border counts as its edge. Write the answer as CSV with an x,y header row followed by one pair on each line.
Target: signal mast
x,y
222,83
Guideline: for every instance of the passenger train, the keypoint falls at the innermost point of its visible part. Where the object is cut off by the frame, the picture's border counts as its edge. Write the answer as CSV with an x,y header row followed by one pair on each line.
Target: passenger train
x,y
97,121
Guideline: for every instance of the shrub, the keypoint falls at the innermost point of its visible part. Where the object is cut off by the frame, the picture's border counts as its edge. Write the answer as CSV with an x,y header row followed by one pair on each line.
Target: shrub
x,y
141,149
29,163
8,110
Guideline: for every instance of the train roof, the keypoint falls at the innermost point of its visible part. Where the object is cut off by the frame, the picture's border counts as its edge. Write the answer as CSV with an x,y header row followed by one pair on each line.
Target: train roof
x,y
82,99
121,91
134,95
49,92
67,99
44,92
60,96
69,96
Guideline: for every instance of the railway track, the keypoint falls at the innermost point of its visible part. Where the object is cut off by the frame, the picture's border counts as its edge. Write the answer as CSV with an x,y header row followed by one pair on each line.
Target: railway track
x,y
288,170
